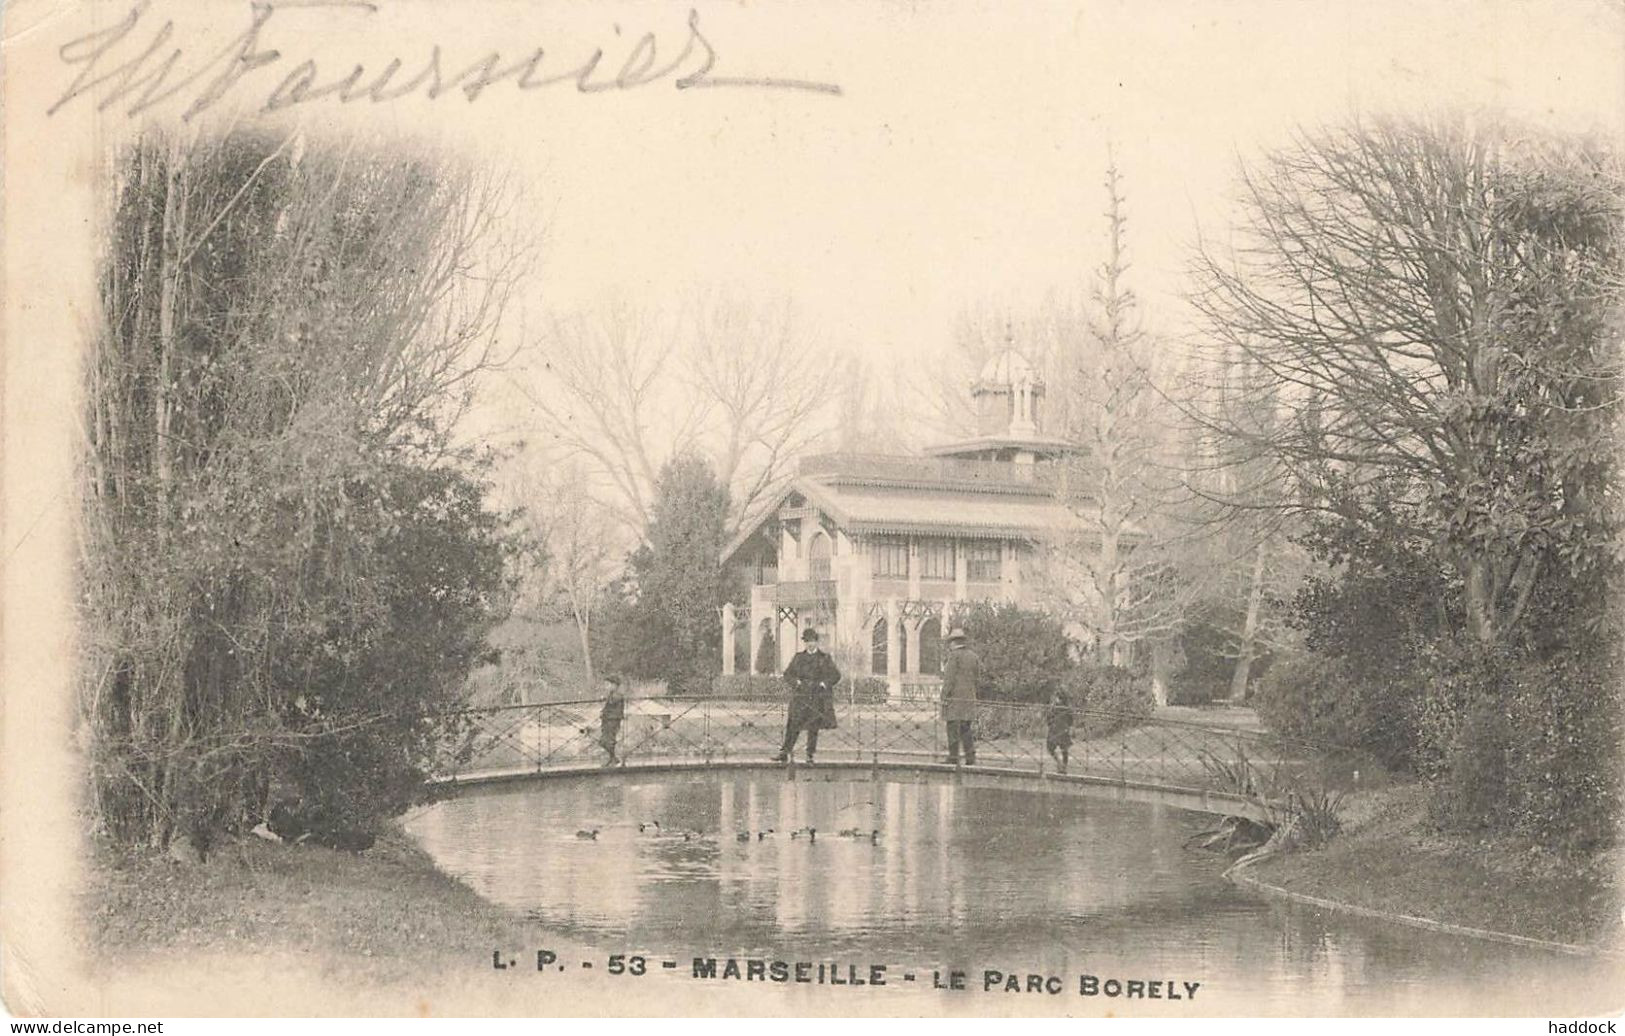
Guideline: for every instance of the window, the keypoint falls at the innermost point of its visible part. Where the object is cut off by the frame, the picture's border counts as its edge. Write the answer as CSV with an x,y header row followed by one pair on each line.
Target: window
x,y
766,570
983,562
936,559
888,558
818,557
879,643
931,647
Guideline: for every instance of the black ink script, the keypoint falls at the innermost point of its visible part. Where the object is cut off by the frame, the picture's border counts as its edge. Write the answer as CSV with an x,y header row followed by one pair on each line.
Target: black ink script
x,y
137,62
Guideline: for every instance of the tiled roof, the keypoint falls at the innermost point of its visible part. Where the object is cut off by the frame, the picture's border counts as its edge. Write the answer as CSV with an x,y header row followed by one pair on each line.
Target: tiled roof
x,y
1038,443
927,502
876,509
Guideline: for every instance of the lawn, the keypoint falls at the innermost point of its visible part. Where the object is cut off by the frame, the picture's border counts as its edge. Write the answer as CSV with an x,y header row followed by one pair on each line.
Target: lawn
x,y
1388,857
388,915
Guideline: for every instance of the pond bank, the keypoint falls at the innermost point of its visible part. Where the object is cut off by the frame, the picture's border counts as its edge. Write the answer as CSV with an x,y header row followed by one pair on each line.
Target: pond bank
x,y
385,916
1389,861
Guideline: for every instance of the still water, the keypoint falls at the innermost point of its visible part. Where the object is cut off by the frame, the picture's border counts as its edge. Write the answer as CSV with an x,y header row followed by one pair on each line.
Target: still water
x,y
946,878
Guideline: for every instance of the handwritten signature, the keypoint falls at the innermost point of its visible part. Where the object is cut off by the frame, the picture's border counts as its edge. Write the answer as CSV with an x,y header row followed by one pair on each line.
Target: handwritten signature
x,y
156,74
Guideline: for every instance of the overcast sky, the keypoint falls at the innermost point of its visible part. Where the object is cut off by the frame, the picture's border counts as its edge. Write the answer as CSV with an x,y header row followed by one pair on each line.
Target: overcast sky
x,y
962,165
959,168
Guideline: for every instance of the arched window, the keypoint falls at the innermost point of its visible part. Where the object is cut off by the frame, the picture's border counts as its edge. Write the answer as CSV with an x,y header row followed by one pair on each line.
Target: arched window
x,y
818,557
766,570
931,647
879,644
767,648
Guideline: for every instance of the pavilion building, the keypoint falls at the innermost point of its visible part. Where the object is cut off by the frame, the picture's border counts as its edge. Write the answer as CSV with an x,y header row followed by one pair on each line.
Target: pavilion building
x,y
879,551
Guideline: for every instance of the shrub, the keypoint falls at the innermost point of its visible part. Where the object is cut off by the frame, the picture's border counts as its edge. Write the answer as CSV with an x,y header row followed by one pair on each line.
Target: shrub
x,y
1237,773
1538,752
1315,811
751,687
865,689
1315,698
1025,654
1209,654
1111,697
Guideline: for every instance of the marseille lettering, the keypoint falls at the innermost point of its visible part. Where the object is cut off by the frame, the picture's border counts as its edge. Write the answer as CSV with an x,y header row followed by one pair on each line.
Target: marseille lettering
x,y
818,973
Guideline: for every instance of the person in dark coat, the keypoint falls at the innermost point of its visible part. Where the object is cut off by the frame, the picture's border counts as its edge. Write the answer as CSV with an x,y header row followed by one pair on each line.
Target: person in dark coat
x,y
1058,728
961,676
610,716
812,676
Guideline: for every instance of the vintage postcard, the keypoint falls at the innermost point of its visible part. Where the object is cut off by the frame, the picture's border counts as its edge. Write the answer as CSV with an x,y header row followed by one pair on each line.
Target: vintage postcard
x,y
793,508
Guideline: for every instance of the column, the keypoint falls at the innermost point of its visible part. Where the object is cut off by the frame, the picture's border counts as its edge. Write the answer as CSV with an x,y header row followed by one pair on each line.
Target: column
x,y
961,571
914,647
1012,568
913,569
787,628
728,639
894,668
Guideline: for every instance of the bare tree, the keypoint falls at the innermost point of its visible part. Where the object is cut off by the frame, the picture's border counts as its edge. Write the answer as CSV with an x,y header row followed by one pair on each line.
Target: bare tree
x,y
766,394
1428,304
1117,573
624,390
581,558
1249,561
605,392
869,415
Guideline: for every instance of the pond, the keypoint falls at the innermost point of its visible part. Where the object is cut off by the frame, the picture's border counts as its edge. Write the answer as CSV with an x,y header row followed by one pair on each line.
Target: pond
x,y
946,877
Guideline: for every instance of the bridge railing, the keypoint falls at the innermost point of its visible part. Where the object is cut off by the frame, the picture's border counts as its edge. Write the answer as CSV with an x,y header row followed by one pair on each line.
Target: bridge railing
x,y
565,736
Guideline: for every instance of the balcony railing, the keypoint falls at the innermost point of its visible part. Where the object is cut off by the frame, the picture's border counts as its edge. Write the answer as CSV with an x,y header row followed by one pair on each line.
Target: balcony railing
x,y
804,591
962,474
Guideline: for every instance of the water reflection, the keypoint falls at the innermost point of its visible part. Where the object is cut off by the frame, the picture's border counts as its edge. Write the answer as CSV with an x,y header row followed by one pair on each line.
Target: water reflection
x,y
957,878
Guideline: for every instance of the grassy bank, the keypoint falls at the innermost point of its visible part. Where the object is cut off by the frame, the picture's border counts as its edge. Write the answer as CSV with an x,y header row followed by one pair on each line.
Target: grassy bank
x,y
1388,857
383,916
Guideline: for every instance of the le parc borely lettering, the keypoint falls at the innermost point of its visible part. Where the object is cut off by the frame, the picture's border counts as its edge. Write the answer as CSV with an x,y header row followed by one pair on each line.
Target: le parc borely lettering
x,y
855,975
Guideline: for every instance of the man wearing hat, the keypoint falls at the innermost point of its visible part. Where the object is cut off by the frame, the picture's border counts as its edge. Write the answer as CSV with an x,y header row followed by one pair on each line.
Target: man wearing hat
x,y
812,677
961,673
610,716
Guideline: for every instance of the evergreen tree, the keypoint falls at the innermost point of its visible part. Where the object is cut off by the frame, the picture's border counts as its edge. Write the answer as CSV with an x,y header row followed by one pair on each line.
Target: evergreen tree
x,y
665,625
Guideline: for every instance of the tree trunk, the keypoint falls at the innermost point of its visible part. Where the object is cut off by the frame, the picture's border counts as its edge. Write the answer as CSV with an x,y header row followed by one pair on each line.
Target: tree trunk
x,y
169,277
1108,588
583,622
1249,629
1478,589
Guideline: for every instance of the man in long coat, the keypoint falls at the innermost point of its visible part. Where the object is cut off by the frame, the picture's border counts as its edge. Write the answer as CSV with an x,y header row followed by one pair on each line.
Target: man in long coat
x,y
812,676
961,674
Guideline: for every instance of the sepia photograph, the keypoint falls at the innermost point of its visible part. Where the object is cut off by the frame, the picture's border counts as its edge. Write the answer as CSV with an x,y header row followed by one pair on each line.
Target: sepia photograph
x,y
791,509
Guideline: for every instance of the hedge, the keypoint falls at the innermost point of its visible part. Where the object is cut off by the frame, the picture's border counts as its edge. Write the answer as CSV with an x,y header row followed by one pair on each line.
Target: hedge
x,y
771,687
